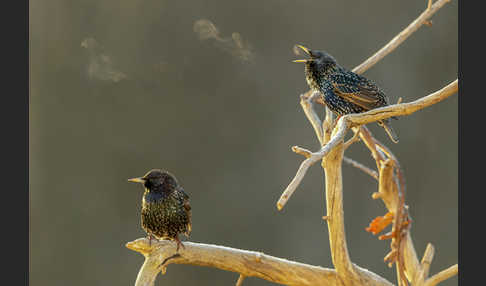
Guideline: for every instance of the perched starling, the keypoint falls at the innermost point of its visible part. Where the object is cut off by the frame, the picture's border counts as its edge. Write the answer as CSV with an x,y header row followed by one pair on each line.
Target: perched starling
x,y
343,91
165,206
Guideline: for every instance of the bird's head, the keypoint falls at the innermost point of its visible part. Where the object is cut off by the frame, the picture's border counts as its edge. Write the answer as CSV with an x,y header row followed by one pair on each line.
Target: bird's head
x,y
318,57
156,180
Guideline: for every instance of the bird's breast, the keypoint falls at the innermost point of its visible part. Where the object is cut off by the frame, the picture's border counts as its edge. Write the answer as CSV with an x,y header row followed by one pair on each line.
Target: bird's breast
x,y
311,77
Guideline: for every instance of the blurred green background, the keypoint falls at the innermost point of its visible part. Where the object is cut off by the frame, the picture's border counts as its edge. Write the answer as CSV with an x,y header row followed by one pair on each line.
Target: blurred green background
x,y
218,106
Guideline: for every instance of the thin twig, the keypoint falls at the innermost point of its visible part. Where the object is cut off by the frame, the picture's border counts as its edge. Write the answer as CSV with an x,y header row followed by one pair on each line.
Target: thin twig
x,y
362,167
307,105
240,280
314,157
402,36
427,259
302,151
353,139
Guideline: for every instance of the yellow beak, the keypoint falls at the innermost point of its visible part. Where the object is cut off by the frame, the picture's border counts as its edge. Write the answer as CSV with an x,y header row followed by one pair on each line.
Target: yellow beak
x,y
137,180
306,50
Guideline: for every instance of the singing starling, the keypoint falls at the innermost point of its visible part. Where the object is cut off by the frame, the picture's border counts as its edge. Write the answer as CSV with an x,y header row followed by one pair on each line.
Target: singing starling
x,y
342,90
165,207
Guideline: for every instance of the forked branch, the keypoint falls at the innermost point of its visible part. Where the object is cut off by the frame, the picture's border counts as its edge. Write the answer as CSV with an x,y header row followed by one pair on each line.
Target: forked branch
x,y
353,120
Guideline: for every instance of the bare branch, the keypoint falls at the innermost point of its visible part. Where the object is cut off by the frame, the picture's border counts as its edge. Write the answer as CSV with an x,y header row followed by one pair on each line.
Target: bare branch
x,y
335,213
353,139
314,157
358,119
415,271
427,259
402,36
443,275
403,108
240,280
412,263
302,151
326,125
422,270
307,105
362,167
247,263
403,251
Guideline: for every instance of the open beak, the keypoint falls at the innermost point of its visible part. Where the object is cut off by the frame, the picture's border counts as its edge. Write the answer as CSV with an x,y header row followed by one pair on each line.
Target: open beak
x,y
137,180
306,50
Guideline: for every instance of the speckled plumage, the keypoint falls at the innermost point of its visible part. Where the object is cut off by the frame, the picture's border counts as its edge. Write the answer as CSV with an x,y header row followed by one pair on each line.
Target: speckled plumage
x,y
166,212
342,90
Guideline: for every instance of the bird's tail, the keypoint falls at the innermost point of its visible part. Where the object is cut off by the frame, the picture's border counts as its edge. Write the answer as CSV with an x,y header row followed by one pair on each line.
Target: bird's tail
x,y
389,130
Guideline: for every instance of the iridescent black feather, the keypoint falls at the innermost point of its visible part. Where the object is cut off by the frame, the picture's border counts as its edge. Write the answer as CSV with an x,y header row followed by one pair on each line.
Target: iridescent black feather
x,y
166,212
344,91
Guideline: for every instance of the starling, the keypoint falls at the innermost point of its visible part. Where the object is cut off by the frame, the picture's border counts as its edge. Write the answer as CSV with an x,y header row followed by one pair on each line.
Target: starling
x,y
343,91
165,207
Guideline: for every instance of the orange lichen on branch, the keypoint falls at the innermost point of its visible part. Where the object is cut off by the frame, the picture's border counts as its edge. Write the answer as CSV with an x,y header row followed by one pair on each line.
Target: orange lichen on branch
x,y
378,224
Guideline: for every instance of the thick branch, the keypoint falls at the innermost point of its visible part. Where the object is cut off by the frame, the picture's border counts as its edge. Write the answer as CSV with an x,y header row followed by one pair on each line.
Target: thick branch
x,y
335,216
443,275
247,263
402,36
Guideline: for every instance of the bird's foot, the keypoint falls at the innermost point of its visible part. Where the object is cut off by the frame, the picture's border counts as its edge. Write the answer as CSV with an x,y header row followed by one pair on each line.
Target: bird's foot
x,y
179,243
150,237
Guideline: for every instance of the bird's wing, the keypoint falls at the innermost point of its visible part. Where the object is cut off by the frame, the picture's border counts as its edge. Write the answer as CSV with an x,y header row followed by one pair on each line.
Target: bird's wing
x,y
357,90
187,208
186,197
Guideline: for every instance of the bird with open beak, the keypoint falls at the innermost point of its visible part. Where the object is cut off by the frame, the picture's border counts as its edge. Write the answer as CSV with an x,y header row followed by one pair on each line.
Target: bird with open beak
x,y
342,90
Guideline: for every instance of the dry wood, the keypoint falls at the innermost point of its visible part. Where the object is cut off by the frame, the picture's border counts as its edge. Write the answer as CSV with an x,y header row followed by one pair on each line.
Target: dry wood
x,y
241,278
353,120
247,263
